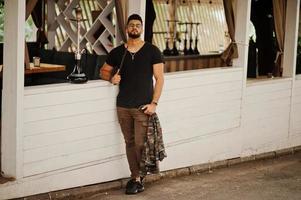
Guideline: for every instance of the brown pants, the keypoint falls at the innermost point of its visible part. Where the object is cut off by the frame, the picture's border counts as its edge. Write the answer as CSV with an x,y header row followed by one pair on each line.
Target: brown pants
x,y
133,125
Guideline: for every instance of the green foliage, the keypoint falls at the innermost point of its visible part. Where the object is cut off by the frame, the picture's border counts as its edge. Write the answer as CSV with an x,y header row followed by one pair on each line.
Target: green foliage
x,y
30,29
1,20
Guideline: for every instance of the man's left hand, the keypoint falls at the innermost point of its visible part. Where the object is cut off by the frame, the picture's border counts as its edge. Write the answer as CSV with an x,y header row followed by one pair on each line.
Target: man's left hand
x,y
149,109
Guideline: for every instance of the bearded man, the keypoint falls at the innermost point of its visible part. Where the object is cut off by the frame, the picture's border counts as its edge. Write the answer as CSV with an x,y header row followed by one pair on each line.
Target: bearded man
x,y
135,64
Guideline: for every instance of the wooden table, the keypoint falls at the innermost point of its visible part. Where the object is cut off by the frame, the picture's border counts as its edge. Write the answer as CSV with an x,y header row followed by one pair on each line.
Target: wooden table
x,y
44,68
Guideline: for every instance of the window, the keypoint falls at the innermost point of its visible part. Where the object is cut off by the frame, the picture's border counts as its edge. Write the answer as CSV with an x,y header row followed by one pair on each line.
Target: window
x,y
212,32
30,28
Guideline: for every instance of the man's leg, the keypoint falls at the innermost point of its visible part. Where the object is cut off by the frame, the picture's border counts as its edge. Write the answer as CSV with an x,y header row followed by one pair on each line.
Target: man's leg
x,y
140,124
126,122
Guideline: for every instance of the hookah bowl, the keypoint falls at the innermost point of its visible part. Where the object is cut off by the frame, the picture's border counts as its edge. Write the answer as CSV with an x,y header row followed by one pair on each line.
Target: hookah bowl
x,y
77,75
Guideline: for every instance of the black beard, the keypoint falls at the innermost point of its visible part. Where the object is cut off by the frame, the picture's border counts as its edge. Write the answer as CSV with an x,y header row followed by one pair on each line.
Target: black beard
x,y
134,36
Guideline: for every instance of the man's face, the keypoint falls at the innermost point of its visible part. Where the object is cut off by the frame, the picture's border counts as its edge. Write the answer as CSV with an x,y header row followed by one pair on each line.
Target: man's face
x,y
134,29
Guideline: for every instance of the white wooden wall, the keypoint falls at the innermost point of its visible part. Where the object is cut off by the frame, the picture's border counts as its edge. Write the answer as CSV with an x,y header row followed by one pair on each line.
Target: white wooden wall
x,y
69,127
295,129
72,128
197,111
71,136
265,116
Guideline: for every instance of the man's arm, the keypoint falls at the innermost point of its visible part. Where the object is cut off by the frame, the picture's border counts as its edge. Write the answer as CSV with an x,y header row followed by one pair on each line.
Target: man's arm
x,y
105,72
158,70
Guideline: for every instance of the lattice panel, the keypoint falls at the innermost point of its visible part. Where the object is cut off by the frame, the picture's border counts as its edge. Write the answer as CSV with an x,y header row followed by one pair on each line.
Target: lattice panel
x,y
98,36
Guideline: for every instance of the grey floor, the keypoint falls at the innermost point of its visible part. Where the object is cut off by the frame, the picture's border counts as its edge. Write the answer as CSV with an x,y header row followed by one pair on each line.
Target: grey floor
x,y
276,179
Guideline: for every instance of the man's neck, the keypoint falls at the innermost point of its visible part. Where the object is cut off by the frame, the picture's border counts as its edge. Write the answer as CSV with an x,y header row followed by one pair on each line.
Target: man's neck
x,y
134,42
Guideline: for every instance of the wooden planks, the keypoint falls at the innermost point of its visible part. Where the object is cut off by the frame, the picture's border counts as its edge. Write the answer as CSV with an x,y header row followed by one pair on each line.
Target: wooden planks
x,y
265,116
296,109
76,125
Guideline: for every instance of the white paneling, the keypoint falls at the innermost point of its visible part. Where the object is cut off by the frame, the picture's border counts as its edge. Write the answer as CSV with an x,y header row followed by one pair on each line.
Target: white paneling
x,y
205,125
268,86
263,111
203,149
215,91
39,96
265,116
73,147
199,79
99,172
75,161
296,109
268,97
73,126
70,109
69,135
46,126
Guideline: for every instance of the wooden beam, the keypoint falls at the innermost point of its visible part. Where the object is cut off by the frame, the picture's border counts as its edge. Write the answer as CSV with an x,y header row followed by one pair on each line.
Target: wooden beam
x,y
13,89
291,38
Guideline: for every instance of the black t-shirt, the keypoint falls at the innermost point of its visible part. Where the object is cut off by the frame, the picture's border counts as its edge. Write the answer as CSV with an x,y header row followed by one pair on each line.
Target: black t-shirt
x,y
136,85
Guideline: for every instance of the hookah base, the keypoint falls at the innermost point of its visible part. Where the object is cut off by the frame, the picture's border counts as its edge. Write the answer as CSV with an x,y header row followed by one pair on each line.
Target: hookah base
x,y
77,78
196,52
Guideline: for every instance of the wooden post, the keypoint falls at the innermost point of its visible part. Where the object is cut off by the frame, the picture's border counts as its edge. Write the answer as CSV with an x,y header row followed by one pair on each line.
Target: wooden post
x,y
242,18
137,7
290,52
291,38
51,28
13,88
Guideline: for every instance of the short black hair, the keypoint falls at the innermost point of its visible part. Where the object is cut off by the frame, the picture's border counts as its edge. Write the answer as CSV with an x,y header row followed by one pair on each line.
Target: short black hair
x,y
134,17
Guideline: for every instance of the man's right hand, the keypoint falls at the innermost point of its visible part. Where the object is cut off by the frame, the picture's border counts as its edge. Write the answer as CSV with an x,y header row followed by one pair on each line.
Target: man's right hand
x,y
116,78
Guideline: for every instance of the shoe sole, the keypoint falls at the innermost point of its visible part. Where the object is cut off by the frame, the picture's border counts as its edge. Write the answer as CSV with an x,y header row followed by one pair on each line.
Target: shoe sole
x,y
136,192
131,193
141,190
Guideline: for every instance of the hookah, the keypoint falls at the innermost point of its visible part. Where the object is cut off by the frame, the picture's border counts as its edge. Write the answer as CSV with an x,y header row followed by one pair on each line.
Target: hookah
x,y
195,50
185,50
190,50
167,50
174,50
77,75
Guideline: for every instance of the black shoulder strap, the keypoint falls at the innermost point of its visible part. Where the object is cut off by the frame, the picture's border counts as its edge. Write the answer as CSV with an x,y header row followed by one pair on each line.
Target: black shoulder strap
x,y
122,60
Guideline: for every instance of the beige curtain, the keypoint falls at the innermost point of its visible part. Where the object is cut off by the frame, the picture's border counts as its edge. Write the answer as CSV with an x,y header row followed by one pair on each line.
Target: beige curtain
x,y
279,11
231,51
121,7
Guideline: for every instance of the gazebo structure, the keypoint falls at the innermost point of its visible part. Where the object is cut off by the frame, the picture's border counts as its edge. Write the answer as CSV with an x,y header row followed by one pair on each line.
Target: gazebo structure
x,y
66,135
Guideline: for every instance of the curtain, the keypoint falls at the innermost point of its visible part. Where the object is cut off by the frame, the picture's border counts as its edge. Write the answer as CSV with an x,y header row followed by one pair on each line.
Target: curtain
x,y
150,16
231,51
279,11
121,16
30,4
38,16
